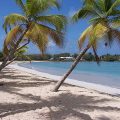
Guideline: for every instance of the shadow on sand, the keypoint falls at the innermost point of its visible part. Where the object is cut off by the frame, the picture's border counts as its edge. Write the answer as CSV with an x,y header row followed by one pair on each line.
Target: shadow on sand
x,y
68,104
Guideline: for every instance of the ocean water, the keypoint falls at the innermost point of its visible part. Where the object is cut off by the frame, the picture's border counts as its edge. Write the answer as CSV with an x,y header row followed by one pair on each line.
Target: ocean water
x,y
107,73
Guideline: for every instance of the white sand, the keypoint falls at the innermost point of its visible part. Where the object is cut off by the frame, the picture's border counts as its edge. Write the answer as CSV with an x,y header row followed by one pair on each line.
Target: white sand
x,y
26,95
101,88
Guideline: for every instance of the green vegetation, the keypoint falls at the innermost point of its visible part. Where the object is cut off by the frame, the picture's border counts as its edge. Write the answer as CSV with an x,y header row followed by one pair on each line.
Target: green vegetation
x,y
88,57
110,58
51,57
56,57
36,57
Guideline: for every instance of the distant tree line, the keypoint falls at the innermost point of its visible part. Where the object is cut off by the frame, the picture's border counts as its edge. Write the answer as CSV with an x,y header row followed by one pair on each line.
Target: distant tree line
x,y
109,57
56,57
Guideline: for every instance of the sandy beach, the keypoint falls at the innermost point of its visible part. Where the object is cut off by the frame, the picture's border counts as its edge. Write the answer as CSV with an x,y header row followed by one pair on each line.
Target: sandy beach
x,y
27,96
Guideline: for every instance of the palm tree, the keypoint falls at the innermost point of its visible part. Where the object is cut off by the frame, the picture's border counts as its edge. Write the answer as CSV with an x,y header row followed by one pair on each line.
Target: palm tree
x,y
20,54
104,19
33,25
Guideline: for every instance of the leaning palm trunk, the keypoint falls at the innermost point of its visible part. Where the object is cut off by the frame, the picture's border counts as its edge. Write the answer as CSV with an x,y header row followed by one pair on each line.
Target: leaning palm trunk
x,y
12,52
3,63
10,61
14,58
59,83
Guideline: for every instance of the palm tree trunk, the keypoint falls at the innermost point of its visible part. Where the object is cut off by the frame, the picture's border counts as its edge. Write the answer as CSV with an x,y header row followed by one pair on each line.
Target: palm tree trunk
x,y
15,52
23,46
21,38
96,56
59,83
10,61
4,63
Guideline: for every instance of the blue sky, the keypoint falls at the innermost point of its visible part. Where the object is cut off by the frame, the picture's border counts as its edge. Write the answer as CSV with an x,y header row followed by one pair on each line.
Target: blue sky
x,y
73,31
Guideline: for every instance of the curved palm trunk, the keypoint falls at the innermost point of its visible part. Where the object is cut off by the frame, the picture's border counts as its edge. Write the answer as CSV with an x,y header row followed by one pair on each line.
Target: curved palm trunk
x,y
59,83
10,61
4,63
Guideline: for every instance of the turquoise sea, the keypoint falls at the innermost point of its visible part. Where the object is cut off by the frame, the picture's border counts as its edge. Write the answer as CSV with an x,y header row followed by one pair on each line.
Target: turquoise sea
x,y
107,73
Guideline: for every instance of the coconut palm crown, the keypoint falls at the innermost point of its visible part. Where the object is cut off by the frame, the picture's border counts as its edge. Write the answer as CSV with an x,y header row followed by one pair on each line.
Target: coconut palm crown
x,y
104,17
34,25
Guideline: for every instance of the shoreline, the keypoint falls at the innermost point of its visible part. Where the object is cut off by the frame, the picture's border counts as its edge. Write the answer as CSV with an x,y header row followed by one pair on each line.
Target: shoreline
x,y
26,95
92,86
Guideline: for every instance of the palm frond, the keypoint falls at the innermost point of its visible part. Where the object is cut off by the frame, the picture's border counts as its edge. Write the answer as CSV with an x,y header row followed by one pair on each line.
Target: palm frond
x,y
36,7
39,38
101,4
111,35
11,38
116,34
21,51
100,30
40,35
81,14
85,12
88,2
93,33
59,21
109,38
113,5
42,43
13,19
115,23
56,36
84,36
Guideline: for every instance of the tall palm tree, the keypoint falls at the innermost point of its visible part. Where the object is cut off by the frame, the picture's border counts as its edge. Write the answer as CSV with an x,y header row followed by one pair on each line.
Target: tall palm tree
x,y
33,25
104,19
